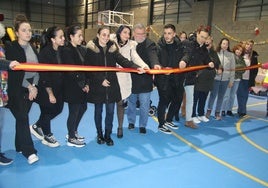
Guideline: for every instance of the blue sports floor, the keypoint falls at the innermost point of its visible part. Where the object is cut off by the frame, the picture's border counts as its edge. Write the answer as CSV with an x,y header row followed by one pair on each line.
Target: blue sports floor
x,y
232,153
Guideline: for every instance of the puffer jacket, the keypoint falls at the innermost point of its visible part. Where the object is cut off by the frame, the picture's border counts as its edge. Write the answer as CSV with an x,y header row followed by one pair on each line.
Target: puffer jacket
x,y
95,56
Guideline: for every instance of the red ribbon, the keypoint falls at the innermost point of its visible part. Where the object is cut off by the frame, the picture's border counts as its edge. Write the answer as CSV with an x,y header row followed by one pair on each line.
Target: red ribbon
x,y
63,67
37,67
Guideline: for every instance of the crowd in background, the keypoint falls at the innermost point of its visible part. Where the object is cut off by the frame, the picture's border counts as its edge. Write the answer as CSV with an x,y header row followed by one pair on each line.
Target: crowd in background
x,y
196,94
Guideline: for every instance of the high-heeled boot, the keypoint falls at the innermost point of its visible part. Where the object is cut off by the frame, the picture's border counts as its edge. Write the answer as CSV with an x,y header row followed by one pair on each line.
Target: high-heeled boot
x,y
119,132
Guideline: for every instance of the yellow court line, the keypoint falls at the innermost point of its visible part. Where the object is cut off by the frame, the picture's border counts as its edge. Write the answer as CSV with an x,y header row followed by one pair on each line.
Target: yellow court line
x,y
251,105
238,128
217,159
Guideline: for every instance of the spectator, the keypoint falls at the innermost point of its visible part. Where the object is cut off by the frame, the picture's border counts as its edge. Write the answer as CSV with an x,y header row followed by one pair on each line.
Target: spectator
x,y
230,94
248,78
222,79
22,87
4,65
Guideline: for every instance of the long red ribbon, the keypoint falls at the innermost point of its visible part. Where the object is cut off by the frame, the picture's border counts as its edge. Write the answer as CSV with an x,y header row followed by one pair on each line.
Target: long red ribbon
x,y
64,67
61,67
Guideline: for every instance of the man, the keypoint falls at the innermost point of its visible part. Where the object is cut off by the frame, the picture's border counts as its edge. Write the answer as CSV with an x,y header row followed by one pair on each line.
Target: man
x,y
170,87
142,84
198,55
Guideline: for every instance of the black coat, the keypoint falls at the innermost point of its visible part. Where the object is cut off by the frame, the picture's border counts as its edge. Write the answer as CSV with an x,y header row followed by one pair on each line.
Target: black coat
x,y
50,79
95,56
15,90
75,81
143,83
198,56
170,56
205,77
253,72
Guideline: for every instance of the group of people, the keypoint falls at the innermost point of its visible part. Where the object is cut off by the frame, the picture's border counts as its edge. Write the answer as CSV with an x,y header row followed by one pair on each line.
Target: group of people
x,y
111,89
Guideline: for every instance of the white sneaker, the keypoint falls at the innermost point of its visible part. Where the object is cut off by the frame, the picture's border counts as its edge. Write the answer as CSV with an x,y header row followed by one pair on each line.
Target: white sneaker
x,y
196,120
203,118
32,158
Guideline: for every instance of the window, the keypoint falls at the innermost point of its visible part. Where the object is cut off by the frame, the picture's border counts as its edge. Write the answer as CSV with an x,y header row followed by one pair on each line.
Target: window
x,y
251,10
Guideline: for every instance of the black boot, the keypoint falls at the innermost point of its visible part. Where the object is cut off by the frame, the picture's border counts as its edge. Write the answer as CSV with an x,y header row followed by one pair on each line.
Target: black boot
x,y
100,139
107,138
119,132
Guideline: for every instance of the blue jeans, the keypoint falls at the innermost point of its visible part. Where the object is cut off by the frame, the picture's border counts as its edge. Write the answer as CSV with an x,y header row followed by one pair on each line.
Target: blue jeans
x,y
242,97
109,118
219,89
229,98
144,99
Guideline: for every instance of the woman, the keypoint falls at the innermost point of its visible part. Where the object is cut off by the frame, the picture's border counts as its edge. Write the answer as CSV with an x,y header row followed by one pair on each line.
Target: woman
x,y
248,78
222,79
128,49
22,87
75,85
104,86
230,94
50,86
204,84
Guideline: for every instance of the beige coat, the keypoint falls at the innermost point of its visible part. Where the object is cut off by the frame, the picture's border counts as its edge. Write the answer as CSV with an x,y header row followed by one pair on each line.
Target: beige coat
x,y
129,52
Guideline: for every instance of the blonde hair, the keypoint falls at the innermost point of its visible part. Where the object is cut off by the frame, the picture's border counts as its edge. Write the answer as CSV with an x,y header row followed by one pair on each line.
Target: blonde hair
x,y
2,30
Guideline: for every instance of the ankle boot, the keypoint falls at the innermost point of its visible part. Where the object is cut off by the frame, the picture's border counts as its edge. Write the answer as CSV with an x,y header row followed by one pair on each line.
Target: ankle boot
x,y
119,132
100,139
107,138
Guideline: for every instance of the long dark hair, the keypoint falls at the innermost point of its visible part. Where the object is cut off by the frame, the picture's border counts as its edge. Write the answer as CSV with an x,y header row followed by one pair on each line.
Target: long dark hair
x,y
119,30
47,35
218,49
72,30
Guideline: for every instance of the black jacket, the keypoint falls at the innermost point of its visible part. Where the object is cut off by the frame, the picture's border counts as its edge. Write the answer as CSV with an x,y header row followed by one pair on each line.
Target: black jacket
x,y
50,79
95,56
170,55
143,83
15,90
198,55
253,72
74,81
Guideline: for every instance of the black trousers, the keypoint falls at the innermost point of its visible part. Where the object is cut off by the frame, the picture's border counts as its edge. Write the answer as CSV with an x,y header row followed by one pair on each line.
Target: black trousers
x,y
23,139
76,112
48,112
171,98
